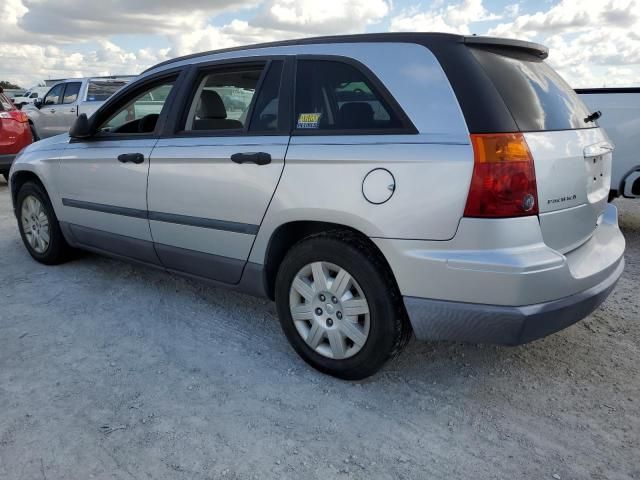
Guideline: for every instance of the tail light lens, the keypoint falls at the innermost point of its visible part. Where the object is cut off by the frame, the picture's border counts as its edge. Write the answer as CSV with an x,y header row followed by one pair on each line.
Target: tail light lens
x,y
16,115
504,178
19,116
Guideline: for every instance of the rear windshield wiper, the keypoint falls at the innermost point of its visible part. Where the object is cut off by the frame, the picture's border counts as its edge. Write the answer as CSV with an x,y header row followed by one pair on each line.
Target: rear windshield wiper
x,y
593,117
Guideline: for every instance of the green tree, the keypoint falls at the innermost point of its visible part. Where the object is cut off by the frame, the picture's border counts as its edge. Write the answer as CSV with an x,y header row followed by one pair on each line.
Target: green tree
x,y
5,84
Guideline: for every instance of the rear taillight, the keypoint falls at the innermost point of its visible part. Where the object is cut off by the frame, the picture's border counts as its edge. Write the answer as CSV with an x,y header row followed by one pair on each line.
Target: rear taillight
x,y
16,115
504,178
19,116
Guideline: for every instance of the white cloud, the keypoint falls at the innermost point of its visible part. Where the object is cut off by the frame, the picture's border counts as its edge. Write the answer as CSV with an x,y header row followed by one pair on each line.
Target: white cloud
x,y
584,38
591,42
454,18
69,20
284,19
30,64
321,17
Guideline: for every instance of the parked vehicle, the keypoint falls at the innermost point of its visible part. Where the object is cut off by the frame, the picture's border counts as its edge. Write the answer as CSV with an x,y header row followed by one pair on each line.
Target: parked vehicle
x,y
30,96
14,133
56,111
620,109
371,184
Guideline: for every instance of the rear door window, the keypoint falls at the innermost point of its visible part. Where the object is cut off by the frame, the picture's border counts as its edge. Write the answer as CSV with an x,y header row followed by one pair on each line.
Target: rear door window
x,y
265,116
336,96
101,90
53,96
223,98
537,97
71,91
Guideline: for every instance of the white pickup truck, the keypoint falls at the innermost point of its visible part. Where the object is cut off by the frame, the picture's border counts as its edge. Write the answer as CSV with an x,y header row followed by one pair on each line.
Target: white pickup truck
x,y
620,109
54,113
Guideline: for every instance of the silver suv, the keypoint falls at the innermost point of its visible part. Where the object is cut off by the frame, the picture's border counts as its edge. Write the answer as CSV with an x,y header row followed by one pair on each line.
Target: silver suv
x,y
373,185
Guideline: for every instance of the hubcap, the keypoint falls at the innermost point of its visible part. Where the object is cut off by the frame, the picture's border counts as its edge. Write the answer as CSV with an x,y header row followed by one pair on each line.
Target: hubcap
x,y
35,224
329,310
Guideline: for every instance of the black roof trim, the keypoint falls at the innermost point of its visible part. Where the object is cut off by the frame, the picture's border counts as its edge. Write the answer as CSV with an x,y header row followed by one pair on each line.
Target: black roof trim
x,y
608,90
530,47
423,38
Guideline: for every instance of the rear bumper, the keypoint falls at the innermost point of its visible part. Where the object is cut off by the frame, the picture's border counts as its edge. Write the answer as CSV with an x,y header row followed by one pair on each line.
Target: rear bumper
x,y
503,325
498,282
6,161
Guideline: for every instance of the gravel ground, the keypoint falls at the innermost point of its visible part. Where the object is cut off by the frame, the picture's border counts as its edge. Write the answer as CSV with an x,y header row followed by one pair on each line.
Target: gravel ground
x,y
114,371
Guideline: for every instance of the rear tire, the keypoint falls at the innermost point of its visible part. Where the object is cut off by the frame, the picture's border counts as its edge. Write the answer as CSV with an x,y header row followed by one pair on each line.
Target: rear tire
x,y
39,227
350,337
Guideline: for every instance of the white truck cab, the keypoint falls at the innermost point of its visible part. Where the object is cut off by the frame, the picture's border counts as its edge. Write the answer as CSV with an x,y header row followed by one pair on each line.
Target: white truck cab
x,y
620,118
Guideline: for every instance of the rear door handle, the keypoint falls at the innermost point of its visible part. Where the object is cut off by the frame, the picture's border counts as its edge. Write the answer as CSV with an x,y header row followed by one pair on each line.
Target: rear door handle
x,y
259,158
131,157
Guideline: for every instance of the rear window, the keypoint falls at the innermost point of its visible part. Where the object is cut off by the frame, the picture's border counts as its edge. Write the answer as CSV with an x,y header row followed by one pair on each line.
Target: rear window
x,y
99,91
537,97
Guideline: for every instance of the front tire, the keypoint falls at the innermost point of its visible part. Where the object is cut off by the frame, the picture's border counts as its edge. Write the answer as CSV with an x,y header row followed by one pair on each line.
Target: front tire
x,y
39,227
339,306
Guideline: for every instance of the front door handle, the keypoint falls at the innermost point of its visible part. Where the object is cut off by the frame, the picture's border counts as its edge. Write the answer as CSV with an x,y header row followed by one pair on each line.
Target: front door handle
x,y
131,157
259,158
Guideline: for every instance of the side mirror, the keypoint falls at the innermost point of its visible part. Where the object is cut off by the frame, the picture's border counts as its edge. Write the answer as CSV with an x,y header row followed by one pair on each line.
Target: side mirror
x,y
81,127
37,103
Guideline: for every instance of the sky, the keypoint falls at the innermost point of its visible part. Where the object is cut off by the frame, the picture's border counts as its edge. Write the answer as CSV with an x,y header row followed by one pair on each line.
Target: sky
x,y
593,43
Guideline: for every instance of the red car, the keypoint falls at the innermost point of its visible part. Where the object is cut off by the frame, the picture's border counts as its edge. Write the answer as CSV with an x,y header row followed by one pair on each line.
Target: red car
x,y
15,133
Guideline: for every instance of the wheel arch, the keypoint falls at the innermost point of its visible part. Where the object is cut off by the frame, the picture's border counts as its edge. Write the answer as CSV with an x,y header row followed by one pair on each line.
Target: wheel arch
x,y
19,178
288,234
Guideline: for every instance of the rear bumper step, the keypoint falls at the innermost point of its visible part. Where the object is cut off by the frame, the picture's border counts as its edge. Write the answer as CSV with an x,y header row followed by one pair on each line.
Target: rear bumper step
x,y
504,325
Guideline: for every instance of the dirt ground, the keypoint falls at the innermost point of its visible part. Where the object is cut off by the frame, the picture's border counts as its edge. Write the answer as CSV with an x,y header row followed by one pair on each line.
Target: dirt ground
x,y
114,371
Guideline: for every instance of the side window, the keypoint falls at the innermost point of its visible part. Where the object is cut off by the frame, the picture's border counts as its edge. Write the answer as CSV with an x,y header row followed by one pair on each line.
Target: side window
x,y
53,96
223,98
71,91
265,112
140,113
331,95
34,95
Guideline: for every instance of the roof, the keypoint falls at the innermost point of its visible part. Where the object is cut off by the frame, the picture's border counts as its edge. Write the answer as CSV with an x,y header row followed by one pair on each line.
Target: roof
x,y
424,38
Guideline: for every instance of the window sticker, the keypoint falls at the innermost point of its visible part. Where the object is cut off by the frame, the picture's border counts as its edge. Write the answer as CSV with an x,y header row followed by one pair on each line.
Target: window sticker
x,y
309,120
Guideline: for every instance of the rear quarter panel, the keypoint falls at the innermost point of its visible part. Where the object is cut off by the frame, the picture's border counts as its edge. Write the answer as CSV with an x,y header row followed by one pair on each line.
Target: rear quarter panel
x,y
323,175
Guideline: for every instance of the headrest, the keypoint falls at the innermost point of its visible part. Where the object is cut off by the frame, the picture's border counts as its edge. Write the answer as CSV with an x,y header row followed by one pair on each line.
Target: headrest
x,y
356,115
211,105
